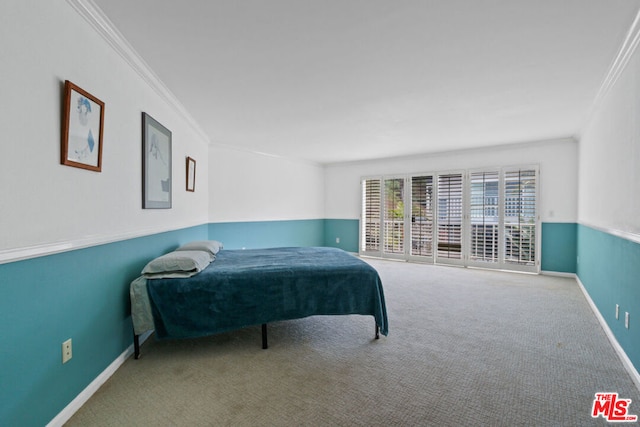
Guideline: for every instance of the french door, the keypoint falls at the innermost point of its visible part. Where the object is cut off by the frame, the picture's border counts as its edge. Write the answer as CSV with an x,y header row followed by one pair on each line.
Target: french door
x,y
450,218
521,229
398,217
485,218
421,219
484,230
393,214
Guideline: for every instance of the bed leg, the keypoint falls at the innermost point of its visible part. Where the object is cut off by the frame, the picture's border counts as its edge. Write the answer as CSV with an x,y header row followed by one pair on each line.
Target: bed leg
x,y
377,331
136,346
264,336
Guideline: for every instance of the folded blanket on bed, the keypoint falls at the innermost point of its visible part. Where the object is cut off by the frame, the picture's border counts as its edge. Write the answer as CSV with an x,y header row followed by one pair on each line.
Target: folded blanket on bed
x,y
250,287
141,315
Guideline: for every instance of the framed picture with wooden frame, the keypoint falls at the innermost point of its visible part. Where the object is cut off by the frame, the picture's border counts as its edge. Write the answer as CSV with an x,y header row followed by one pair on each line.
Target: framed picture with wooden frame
x,y
156,164
191,174
82,129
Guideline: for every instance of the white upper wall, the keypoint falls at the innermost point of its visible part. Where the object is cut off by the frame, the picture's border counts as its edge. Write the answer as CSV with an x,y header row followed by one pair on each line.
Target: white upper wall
x,y
609,194
44,203
558,175
246,186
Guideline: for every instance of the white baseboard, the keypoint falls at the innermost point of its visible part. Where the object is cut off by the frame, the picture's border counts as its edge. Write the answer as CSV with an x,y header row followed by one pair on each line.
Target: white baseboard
x,y
86,394
626,362
558,274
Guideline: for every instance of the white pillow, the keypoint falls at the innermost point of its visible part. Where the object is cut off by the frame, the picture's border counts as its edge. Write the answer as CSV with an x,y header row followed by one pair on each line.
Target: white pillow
x,y
177,264
211,246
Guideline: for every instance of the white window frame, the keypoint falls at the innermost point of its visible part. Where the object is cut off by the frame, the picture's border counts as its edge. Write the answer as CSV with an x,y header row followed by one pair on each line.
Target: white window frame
x,y
466,225
362,225
434,201
451,261
535,268
386,221
468,218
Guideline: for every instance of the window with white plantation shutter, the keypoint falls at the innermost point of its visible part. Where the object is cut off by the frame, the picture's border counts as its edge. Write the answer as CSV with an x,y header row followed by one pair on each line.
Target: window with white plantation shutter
x,y
520,216
371,199
484,216
449,235
393,242
422,216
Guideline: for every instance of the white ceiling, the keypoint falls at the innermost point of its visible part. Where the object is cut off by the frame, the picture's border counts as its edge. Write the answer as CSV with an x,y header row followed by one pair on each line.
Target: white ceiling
x,y
342,80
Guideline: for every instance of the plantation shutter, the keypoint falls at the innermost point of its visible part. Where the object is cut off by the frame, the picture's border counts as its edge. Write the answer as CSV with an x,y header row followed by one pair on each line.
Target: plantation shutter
x,y
520,216
450,216
484,216
394,216
371,199
422,216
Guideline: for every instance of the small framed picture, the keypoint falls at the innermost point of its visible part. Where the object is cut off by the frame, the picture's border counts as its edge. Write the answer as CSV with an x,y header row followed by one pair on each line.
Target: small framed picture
x,y
191,174
156,164
82,128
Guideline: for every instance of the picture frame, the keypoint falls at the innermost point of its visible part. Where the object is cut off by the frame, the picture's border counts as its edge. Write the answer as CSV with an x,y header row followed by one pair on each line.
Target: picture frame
x,y
191,174
82,129
156,164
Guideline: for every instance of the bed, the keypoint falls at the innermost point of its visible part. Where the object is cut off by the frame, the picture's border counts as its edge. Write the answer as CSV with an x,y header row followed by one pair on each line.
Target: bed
x,y
242,288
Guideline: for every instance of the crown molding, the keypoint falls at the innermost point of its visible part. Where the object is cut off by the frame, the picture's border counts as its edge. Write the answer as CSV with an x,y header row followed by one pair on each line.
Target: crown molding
x,y
240,149
616,68
567,139
105,28
622,58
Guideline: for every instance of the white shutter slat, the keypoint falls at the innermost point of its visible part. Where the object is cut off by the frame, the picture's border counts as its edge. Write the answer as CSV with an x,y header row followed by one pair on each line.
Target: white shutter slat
x,y
484,216
422,216
520,217
450,216
371,215
393,242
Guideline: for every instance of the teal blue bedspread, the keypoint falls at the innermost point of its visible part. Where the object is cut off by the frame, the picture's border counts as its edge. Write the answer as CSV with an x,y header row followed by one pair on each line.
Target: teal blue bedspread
x,y
251,287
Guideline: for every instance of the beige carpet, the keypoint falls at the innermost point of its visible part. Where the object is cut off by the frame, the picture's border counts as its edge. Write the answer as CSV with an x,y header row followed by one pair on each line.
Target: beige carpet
x,y
466,348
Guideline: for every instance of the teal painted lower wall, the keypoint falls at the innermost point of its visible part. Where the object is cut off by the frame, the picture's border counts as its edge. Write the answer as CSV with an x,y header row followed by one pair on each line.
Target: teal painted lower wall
x,y
82,295
558,251
346,230
264,234
609,269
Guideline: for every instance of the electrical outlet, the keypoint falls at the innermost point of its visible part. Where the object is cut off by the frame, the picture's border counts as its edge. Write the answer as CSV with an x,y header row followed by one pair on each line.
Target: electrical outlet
x,y
617,311
67,352
626,320
337,240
